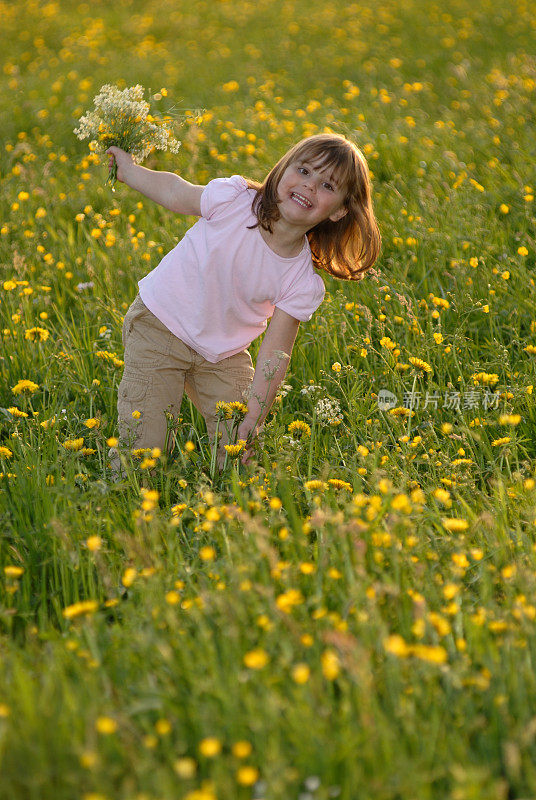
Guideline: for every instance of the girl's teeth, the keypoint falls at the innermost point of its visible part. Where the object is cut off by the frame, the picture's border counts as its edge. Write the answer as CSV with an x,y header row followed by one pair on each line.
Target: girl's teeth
x,y
300,201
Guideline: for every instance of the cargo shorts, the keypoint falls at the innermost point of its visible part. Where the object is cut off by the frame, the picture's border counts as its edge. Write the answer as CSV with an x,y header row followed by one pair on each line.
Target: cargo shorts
x,y
159,369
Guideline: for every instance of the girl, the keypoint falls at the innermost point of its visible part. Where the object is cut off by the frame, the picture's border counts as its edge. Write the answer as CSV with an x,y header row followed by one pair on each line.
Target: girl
x,y
250,256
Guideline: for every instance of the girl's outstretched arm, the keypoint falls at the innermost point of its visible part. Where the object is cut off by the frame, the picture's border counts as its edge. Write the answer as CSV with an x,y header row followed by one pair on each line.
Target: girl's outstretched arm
x,y
164,188
272,363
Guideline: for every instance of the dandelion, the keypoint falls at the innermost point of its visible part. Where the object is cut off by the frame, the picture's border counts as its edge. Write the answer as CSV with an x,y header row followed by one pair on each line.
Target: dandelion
x,y
455,524
288,599
499,442
509,419
336,367
92,423
522,251
396,646
122,119
185,767
12,571
433,654
210,747
330,664
241,749
234,450
247,776
73,444
335,483
315,485
78,609
16,412
486,378
5,452
36,334
93,543
420,364
105,725
256,659
301,673
25,386
299,426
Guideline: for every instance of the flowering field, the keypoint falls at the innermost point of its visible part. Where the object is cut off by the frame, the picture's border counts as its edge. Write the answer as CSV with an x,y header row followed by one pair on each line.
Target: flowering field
x,y
353,615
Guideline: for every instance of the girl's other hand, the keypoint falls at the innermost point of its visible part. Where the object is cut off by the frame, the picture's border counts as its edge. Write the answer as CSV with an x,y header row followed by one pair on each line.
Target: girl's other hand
x,y
122,159
250,433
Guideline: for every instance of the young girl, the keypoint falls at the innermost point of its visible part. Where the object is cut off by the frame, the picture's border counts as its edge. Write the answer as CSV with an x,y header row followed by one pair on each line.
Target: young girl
x,y
250,256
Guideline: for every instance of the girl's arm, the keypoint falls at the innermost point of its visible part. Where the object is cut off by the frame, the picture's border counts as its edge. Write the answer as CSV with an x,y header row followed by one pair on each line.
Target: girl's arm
x,y
164,188
272,362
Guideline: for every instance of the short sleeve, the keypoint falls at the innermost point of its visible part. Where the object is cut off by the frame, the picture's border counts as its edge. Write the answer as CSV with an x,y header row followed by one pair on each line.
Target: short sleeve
x,y
219,192
303,297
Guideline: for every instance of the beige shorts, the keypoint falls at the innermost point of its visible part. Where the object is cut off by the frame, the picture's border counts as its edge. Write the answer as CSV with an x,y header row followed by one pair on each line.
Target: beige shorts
x,y
159,368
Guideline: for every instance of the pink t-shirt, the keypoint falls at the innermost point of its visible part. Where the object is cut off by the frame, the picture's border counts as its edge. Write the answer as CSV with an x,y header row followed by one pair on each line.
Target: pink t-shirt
x,y
217,288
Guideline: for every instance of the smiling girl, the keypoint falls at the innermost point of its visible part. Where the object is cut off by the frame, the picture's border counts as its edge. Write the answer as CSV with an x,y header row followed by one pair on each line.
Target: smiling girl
x,y
251,256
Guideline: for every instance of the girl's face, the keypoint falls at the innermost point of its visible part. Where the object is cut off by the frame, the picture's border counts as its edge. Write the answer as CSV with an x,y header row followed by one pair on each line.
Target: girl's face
x,y
309,193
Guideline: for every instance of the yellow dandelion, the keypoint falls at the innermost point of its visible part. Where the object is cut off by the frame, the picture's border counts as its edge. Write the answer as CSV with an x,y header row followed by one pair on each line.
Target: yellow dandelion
x,y
241,749
510,419
105,725
335,483
94,543
256,659
247,776
420,364
11,571
330,664
73,444
5,452
16,412
92,423
78,609
185,767
25,386
499,442
234,450
210,747
288,599
301,673
36,334
522,251
207,553
299,426
396,646
455,524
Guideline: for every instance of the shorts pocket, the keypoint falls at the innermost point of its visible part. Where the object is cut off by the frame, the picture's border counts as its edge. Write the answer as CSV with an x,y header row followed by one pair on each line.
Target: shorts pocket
x,y
147,341
131,398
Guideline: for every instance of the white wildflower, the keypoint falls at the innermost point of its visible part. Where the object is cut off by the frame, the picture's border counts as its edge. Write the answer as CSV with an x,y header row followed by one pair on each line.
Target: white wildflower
x,y
310,389
328,411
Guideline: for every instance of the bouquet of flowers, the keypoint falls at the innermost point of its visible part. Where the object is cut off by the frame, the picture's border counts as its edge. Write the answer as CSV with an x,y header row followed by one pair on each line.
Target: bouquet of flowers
x,y
122,118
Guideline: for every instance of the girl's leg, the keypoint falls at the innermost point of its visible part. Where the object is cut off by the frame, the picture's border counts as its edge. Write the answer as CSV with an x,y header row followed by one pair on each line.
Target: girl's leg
x,y
226,381
152,382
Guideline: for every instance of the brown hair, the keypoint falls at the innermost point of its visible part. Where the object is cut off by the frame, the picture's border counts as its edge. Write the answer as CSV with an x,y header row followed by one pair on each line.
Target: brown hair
x,y
349,247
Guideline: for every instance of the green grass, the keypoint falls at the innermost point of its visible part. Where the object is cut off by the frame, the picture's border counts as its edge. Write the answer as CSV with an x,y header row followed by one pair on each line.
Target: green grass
x,y
360,642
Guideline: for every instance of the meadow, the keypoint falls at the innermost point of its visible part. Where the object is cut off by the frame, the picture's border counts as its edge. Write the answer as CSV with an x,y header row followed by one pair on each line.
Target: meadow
x,y
352,615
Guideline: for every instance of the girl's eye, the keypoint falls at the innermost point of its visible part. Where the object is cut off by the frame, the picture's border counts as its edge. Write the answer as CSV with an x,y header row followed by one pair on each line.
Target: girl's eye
x,y
303,170
329,186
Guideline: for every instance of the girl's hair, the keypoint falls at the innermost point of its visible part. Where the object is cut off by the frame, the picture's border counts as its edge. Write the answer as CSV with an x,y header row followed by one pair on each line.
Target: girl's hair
x,y
346,248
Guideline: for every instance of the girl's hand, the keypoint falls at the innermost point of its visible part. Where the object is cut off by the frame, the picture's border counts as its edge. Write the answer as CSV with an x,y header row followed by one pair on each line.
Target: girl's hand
x,y
245,430
123,160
